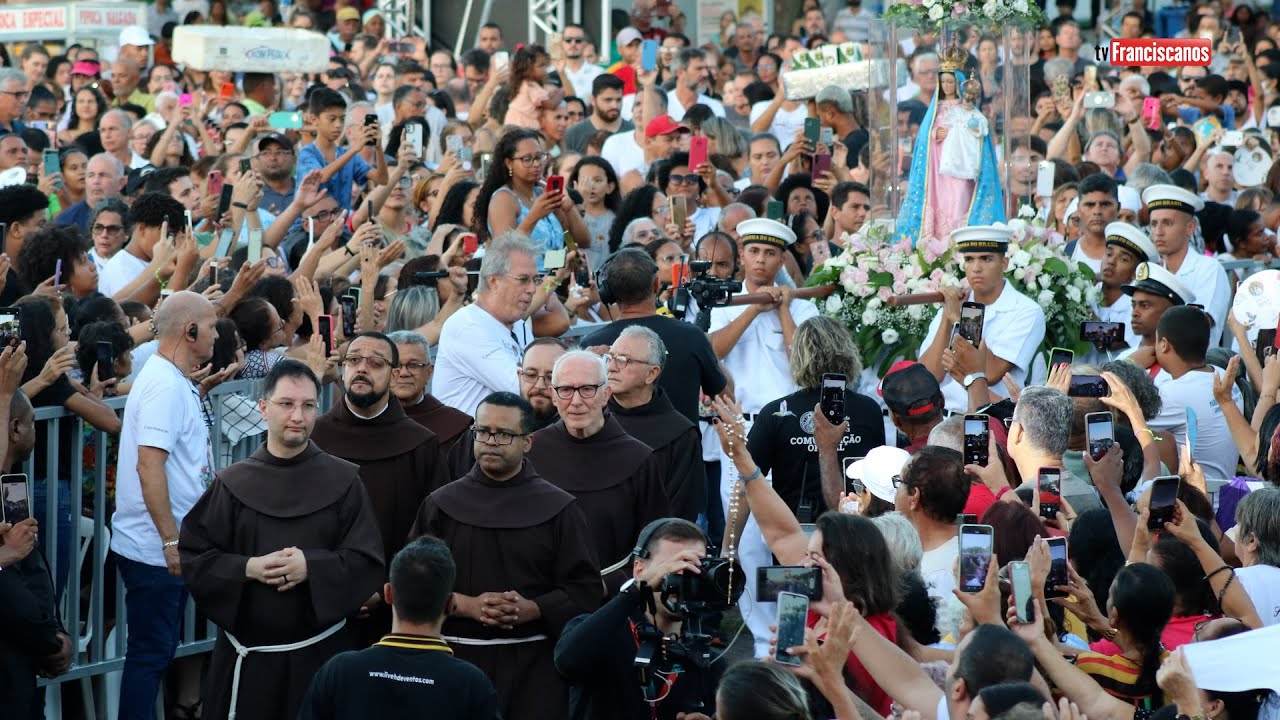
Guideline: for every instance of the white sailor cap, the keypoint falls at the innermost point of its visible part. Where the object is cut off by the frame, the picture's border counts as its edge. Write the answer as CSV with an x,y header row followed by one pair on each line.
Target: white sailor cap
x,y
1172,197
1131,238
1072,208
1155,279
1130,199
766,231
982,238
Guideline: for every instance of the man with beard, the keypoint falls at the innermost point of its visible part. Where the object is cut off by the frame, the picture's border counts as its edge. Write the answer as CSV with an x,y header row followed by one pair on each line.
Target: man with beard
x,y
525,562
409,383
615,477
641,407
1127,247
399,459
535,386
606,113
1098,206
690,67
275,162
288,515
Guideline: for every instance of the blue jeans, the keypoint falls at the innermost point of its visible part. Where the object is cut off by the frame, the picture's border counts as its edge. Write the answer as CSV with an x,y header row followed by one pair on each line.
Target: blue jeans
x,y
154,600
67,541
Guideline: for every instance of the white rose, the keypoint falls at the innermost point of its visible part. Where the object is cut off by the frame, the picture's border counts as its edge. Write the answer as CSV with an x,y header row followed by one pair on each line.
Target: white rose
x,y
870,316
1073,294
874,303
915,312
834,303
937,12
1020,5
1020,258
1025,211
889,337
1020,274
1045,298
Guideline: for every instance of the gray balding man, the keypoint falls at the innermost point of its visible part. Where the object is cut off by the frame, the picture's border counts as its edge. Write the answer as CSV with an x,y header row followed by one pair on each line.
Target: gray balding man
x,y
14,91
165,465
113,131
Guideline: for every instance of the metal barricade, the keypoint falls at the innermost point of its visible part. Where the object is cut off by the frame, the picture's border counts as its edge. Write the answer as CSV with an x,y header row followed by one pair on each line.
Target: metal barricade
x,y
97,635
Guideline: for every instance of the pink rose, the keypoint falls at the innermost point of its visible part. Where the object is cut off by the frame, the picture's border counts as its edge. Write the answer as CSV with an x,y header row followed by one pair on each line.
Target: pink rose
x,y
958,10
884,294
900,288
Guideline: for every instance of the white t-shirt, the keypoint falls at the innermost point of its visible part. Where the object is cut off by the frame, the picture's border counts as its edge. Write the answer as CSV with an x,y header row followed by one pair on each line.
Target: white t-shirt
x,y
759,364
623,152
1079,256
786,123
581,79
938,568
704,221
123,268
1215,449
164,412
99,262
677,111
1262,582
1207,279
477,355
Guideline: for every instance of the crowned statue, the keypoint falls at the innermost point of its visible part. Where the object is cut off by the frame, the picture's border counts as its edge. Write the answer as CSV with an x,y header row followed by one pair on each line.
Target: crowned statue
x,y
954,181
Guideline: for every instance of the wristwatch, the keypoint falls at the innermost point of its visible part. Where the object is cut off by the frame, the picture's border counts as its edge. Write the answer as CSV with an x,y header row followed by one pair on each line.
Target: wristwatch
x,y
972,377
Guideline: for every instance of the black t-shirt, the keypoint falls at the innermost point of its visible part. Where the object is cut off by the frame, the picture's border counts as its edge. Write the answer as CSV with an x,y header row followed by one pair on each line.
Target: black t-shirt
x,y
691,363
782,442
855,141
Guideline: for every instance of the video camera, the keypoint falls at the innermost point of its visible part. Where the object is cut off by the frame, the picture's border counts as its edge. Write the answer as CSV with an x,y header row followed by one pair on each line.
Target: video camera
x,y
695,599
429,277
708,292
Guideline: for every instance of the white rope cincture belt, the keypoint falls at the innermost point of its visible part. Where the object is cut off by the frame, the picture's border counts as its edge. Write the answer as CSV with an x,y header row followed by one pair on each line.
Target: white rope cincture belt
x,y
242,652
616,566
493,641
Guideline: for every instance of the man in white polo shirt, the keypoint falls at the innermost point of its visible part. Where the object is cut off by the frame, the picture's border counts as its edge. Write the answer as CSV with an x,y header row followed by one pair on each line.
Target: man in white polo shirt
x,y
690,67
1173,221
1127,247
1013,324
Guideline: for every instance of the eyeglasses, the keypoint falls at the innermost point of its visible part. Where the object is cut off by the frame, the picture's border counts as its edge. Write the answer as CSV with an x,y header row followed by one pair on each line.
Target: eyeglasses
x,y
565,392
497,437
108,229
324,215
622,361
373,361
532,377
413,366
690,179
897,480
20,94
532,160
525,279
308,408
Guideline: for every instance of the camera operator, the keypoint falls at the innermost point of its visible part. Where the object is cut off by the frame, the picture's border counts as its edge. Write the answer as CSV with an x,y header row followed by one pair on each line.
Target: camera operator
x,y
601,654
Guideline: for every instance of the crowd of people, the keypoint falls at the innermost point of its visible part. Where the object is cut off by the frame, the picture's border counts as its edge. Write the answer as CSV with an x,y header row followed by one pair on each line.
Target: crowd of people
x,y
518,455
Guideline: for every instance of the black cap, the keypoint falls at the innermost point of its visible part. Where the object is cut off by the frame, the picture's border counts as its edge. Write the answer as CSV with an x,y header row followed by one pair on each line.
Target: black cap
x,y
276,138
909,388
137,178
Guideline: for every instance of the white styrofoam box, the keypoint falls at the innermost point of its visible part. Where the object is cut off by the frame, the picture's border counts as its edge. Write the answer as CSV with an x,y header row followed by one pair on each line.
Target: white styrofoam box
x,y
243,49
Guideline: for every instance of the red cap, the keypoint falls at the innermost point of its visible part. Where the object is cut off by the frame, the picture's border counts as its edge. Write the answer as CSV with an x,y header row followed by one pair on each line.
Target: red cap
x,y
663,125
900,365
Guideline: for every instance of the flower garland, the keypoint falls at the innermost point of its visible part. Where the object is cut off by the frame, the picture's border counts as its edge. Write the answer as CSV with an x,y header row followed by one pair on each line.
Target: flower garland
x,y
931,14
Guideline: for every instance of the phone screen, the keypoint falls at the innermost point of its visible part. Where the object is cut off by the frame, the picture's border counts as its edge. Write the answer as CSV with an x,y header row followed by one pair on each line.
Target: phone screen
x,y
106,360
1100,433
348,304
775,579
1057,567
1094,386
17,505
793,615
224,243
832,402
1164,498
1020,579
255,246
976,543
10,326
1050,480
326,333
971,321
1061,356
1102,334
976,440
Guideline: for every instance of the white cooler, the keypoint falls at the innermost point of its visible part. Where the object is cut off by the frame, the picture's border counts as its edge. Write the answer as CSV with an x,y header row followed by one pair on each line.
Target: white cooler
x,y
242,49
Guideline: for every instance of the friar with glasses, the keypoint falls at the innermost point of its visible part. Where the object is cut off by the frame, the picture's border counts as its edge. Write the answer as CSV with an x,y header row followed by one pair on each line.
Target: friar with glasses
x,y
409,383
635,362
525,558
279,552
616,478
399,459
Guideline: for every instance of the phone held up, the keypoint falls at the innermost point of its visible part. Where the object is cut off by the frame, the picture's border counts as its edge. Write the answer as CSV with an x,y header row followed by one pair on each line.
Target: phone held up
x,y
832,401
977,544
977,438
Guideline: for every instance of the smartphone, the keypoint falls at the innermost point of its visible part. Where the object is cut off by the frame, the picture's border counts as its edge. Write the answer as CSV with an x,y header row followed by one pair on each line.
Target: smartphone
x,y
285,120
679,273
1020,580
371,120
649,55
555,184
4,237
1100,432
214,184
1151,113
977,439
1057,567
1050,482
413,136
185,99
1102,334
470,244
326,333
227,91
16,493
348,303
679,211
773,580
10,326
187,217
832,401
1164,499
400,48
820,252
827,137
793,617
1044,179
52,165
245,166
501,59
813,130
1193,430
224,200
773,210
1232,138
553,259
255,245
1104,100
852,485
486,159
453,144
971,314
465,155
1233,35
1094,386
224,243
1265,345
57,272
821,164
1061,356
1091,77
1273,116
697,152
106,360
976,546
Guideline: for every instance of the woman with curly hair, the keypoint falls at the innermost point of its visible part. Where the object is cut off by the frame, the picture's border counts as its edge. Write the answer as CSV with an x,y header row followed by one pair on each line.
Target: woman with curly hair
x,y
57,249
83,113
